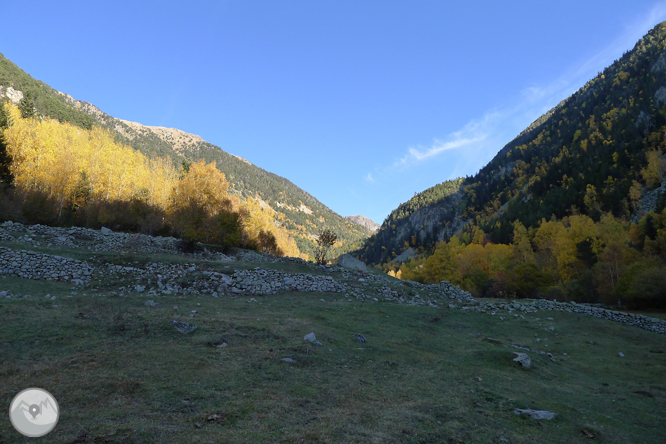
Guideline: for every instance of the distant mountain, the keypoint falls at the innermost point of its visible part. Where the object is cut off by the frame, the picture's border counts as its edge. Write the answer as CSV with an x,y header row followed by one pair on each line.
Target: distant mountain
x,y
588,155
299,212
364,222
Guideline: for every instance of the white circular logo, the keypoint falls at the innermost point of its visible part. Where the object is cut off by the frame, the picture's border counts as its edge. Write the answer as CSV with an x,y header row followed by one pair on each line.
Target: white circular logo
x,y
34,412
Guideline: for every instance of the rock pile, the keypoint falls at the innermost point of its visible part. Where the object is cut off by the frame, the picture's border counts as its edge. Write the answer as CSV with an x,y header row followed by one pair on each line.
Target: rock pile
x,y
31,265
264,282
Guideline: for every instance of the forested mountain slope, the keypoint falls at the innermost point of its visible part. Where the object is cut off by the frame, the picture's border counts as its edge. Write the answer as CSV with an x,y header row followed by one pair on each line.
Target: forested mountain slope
x,y
299,212
599,151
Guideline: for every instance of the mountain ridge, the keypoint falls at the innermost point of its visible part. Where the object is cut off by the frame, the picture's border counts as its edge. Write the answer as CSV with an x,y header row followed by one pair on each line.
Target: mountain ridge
x,y
246,179
581,156
364,222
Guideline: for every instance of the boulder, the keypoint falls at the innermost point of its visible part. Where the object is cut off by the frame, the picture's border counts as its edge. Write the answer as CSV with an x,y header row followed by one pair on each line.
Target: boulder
x,y
349,261
106,231
524,360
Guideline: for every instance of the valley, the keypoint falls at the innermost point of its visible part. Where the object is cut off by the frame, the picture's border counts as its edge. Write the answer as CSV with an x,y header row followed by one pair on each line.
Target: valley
x,y
147,344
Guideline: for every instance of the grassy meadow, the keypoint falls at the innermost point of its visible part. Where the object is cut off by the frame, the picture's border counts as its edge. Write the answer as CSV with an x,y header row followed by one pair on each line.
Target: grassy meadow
x,y
121,373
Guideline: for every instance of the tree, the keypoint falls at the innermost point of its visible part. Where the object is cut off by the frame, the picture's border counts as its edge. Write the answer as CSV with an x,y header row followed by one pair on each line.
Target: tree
x,y
27,106
653,173
521,243
325,241
200,195
6,177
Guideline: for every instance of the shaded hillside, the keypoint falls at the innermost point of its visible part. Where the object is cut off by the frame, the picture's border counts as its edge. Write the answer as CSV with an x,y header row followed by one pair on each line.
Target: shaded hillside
x,y
588,155
298,211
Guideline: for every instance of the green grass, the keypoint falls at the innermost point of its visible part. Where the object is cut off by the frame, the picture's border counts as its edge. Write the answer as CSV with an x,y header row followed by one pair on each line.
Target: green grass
x,y
122,374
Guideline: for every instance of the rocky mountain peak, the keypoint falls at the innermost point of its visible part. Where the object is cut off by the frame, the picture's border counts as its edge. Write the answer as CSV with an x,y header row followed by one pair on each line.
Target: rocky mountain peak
x,y
364,221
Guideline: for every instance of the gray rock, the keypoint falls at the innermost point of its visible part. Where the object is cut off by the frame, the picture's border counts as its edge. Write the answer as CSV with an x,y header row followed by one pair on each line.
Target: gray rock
x,y
620,354
184,327
405,255
536,414
150,303
289,360
140,288
349,261
310,337
106,231
523,359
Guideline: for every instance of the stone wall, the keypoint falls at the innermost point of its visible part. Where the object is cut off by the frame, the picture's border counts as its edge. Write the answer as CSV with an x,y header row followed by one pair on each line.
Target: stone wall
x,y
31,265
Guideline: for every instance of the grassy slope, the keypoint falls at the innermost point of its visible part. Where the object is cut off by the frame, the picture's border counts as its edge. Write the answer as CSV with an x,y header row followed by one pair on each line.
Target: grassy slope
x,y
122,373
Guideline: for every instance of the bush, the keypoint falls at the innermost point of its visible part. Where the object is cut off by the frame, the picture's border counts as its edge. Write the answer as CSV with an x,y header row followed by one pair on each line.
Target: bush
x,y
643,284
476,282
526,281
582,289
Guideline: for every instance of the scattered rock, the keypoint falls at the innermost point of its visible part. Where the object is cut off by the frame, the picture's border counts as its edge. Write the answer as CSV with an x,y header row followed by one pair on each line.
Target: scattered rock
x,y
523,359
289,360
536,414
310,337
106,231
220,343
150,303
360,337
620,354
184,327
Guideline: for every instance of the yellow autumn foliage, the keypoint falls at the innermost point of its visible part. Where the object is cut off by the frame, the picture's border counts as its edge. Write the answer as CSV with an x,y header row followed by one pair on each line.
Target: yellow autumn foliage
x,y
56,158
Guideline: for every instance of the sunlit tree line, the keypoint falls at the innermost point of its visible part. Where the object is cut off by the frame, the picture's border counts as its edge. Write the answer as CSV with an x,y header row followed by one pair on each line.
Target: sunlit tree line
x,y
62,174
573,258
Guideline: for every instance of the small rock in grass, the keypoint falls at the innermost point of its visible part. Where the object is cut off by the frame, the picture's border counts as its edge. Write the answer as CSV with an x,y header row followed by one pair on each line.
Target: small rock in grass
x,y
620,354
184,327
523,359
360,337
310,337
289,360
536,414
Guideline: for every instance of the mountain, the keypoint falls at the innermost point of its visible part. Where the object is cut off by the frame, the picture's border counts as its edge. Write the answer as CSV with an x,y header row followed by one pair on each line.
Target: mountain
x,y
597,151
298,211
364,222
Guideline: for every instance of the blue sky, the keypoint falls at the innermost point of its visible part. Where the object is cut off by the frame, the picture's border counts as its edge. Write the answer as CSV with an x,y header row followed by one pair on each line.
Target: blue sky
x,y
360,103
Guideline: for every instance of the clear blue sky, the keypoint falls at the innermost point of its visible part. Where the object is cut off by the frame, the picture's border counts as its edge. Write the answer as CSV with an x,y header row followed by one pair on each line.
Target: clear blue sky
x,y
360,103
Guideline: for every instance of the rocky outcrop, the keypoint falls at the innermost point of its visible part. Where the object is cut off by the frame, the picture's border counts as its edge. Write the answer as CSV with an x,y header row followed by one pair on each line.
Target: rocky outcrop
x,y
364,222
12,94
349,261
405,255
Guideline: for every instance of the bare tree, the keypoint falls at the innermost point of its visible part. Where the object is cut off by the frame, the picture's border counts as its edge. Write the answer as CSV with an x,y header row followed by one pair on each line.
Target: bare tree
x,y
325,241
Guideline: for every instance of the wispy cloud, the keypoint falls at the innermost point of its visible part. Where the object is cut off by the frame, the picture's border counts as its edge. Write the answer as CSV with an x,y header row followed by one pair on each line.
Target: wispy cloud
x,y
439,147
481,138
369,178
